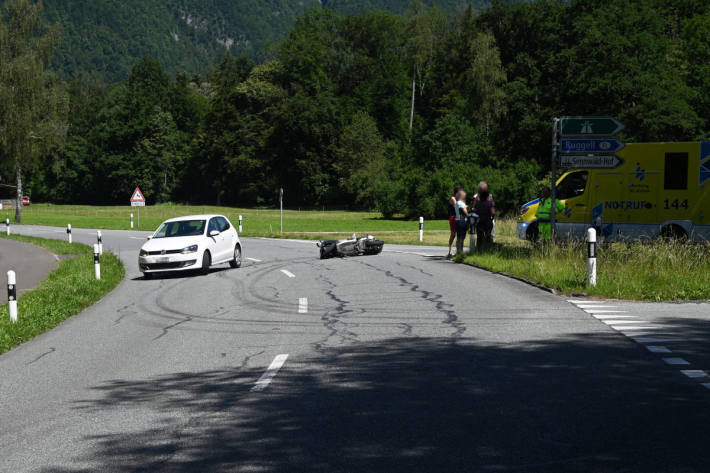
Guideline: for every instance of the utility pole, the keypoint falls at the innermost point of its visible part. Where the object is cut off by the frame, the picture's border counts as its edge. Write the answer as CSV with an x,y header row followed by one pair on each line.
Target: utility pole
x,y
555,154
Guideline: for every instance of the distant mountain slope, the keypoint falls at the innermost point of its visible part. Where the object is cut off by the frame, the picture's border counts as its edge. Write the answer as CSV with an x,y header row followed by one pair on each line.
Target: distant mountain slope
x,y
108,36
398,6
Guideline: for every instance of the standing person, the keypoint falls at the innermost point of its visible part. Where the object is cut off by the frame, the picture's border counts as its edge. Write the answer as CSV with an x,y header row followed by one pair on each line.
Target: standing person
x,y
461,220
485,207
452,219
544,214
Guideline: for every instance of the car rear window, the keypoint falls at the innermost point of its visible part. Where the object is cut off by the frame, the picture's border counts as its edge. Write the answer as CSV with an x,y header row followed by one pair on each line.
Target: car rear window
x,y
180,228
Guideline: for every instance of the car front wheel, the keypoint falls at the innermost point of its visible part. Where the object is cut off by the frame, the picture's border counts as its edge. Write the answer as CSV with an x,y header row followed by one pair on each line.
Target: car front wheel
x,y
206,262
236,262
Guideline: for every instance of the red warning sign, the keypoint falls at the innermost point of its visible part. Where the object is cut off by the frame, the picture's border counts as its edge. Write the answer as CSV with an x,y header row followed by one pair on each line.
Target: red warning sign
x,y
137,199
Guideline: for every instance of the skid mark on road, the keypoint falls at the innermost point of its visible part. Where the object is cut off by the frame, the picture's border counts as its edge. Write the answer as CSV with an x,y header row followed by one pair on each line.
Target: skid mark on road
x,y
270,373
332,318
640,331
51,350
125,311
444,308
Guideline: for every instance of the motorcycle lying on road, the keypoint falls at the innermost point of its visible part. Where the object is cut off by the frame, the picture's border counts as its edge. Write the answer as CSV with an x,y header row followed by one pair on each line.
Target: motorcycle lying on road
x,y
354,246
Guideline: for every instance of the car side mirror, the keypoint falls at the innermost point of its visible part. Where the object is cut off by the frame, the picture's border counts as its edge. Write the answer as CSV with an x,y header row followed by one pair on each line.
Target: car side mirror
x,y
214,233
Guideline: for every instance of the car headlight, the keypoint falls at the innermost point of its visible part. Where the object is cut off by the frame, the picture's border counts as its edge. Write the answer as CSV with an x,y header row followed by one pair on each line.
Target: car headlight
x,y
189,249
143,253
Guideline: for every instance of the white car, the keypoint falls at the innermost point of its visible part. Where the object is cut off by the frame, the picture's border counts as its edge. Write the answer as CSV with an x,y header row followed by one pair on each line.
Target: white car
x,y
188,243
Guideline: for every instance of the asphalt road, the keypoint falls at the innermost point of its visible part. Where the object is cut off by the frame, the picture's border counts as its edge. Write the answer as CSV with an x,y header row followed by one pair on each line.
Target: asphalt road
x,y
31,263
396,362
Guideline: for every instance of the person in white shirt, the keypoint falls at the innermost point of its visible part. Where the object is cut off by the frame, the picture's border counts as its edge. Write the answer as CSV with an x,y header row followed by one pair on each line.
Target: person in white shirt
x,y
461,220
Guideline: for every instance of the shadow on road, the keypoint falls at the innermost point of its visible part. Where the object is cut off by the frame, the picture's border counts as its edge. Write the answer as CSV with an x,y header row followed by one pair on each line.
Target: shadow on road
x,y
584,404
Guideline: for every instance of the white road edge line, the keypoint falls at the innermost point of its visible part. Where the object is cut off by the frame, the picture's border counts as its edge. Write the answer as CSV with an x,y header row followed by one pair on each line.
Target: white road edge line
x,y
270,372
288,273
609,316
254,260
302,305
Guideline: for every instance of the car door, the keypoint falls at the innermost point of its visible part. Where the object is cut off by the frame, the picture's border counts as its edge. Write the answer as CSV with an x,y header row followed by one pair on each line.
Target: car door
x,y
228,237
215,243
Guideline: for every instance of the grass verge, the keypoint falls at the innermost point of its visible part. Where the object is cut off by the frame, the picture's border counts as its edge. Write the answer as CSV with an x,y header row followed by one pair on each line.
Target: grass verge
x,y
657,271
68,290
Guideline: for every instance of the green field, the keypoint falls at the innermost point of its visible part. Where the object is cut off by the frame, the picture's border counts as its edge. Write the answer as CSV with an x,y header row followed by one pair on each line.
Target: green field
x,y
256,222
68,290
650,271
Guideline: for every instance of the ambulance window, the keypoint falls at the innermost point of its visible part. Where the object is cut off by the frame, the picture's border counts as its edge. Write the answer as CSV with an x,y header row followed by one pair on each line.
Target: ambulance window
x,y
675,174
573,185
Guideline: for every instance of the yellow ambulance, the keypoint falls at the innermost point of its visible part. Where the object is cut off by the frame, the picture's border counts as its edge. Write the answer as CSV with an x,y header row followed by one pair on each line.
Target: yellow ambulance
x,y
657,189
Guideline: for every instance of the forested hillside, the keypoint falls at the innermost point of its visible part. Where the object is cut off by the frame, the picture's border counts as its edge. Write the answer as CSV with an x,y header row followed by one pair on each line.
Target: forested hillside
x,y
106,37
327,116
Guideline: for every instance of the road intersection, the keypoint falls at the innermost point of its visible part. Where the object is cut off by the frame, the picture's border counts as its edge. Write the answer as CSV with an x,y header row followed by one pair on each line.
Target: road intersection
x,y
398,362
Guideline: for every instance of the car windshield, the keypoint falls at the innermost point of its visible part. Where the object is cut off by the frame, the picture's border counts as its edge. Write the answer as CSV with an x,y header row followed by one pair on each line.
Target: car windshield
x,y
180,228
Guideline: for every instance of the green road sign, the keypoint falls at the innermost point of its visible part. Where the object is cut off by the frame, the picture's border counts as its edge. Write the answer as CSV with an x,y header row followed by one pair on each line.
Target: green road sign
x,y
590,126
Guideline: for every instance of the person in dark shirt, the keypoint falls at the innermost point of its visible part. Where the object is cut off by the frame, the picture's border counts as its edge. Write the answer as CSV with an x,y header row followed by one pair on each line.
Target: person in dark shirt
x,y
452,219
485,207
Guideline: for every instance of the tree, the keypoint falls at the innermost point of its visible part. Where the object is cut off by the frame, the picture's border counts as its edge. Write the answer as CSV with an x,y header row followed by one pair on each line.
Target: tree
x,y
33,103
422,43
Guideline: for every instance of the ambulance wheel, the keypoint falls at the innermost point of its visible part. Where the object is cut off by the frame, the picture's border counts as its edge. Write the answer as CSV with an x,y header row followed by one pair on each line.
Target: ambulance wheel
x,y
674,232
533,233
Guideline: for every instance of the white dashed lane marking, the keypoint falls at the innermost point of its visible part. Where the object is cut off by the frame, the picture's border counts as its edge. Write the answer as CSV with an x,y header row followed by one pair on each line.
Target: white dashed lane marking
x,y
288,273
303,305
619,322
657,349
270,372
655,340
676,361
640,331
254,260
635,327
694,373
600,311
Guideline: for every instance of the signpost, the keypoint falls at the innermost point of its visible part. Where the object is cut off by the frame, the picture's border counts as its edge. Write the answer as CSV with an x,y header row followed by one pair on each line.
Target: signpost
x,y
583,142
604,161
590,126
138,200
572,146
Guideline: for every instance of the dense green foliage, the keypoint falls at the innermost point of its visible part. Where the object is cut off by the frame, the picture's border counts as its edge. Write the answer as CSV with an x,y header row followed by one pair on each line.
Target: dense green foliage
x,y
33,102
327,116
